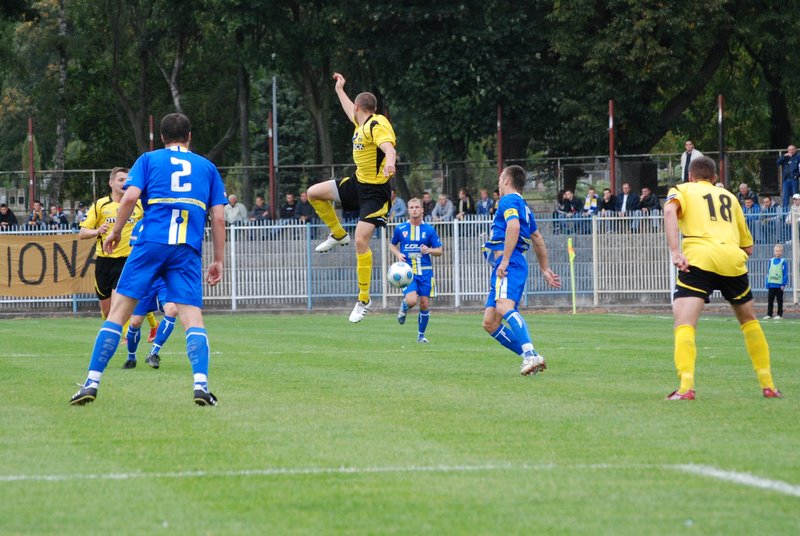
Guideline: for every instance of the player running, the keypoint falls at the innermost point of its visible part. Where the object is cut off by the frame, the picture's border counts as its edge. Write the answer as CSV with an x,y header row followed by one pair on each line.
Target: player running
x,y
414,242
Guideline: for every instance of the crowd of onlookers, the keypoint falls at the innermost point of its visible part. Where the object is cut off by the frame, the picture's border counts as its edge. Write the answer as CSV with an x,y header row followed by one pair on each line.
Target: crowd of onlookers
x,y
38,220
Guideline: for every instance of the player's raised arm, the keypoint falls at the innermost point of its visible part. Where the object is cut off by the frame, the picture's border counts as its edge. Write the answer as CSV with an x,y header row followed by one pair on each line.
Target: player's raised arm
x,y
347,104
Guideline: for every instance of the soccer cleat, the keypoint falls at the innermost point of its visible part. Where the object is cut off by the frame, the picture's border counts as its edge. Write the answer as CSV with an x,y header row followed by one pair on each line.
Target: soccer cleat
x,y
153,333
204,398
360,311
153,360
766,317
532,365
422,339
771,393
329,242
129,364
401,316
84,396
776,317
675,395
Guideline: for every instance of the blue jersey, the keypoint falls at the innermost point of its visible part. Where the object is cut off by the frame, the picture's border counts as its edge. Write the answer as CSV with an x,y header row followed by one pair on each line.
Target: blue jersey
x,y
512,207
410,239
178,187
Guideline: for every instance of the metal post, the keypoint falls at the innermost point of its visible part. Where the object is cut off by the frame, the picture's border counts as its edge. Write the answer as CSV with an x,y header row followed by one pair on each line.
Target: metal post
x,y
151,132
723,171
274,121
456,264
499,139
233,266
612,163
273,190
309,261
31,174
595,263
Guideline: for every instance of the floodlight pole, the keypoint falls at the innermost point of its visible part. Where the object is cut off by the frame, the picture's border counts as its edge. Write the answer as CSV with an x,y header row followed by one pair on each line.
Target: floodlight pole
x,y
273,194
612,163
31,174
499,138
723,169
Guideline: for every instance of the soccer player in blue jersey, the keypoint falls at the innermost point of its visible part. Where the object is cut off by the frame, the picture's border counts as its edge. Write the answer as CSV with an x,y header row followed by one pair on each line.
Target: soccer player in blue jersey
x,y
155,300
414,242
513,232
177,189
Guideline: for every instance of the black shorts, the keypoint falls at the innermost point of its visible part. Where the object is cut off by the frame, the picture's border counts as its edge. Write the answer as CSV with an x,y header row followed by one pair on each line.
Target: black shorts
x,y
700,284
372,201
106,275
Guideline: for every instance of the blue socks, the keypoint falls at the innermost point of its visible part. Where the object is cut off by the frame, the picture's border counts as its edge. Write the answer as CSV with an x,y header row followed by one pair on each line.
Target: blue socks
x,y
134,335
198,350
422,322
164,331
520,330
104,347
506,338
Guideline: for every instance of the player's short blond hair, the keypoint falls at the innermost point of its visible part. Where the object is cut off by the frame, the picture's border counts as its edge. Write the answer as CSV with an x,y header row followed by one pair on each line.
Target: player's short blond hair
x,y
367,101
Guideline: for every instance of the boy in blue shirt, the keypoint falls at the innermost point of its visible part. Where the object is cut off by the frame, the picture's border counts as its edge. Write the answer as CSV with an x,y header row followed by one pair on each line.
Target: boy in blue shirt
x,y
777,279
513,232
414,242
178,188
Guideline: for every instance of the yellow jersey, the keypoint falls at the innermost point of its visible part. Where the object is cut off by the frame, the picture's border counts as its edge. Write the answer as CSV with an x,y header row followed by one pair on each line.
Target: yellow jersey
x,y
713,226
367,153
104,210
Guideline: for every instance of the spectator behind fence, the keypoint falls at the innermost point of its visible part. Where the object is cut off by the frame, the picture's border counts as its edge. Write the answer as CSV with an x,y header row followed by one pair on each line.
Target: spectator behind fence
x,y
768,222
57,219
746,193
80,216
687,156
260,212
484,205
591,205
7,218
790,171
607,205
399,210
627,201
428,205
794,209
648,202
288,211
444,209
496,201
305,210
752,213
235,212
36,218
466,205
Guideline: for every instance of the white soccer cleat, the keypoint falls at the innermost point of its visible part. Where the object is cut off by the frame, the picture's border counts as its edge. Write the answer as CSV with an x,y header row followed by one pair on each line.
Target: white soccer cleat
x,y
329,242
360,311
767,317
532,365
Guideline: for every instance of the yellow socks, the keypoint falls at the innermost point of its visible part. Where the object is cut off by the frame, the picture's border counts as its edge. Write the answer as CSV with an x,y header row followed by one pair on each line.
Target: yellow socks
x,y
685,356
327,214
364,271
758,350
151,319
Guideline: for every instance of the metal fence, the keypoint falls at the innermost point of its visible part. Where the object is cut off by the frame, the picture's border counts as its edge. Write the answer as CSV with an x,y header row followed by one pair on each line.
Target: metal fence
x,y
620,261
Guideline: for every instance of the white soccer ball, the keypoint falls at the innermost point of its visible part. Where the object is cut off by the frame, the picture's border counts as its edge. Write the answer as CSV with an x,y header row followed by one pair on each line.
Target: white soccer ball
x,y
400,274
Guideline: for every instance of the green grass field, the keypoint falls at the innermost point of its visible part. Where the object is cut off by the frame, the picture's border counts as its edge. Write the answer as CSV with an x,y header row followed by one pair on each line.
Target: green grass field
x,y
324,427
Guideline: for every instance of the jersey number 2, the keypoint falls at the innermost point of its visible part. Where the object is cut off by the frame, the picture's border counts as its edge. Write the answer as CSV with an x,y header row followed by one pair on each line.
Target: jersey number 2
x,y
185,171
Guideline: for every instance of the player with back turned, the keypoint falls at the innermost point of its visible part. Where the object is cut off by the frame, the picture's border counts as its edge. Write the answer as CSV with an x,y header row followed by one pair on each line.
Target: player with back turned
x,y
178,188
368,191
713,256
514,231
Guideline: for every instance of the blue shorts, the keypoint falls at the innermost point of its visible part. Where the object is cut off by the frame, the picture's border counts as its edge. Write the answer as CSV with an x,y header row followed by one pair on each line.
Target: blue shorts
x,y
181,268
423,285
511,286
154,301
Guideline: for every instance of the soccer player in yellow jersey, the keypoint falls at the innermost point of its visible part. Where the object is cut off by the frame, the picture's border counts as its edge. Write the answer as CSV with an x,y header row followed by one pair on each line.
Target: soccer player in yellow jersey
x,y
716,244
368,192
99,220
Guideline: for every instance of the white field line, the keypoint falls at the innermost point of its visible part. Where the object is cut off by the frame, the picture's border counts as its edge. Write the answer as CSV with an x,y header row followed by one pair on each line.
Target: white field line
x,y
744,479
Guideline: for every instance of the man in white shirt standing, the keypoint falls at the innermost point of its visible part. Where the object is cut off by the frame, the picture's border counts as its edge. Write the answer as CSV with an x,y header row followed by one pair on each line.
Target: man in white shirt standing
x,y
688,155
